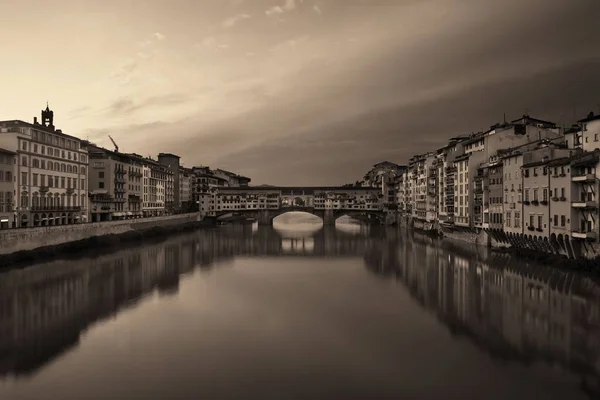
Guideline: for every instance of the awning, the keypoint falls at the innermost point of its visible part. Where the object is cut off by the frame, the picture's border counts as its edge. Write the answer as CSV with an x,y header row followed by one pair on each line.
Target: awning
x,y
4,220
129,213
118,214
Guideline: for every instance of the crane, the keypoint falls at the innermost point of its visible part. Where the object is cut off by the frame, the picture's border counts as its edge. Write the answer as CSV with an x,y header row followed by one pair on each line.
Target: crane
x,y
113,141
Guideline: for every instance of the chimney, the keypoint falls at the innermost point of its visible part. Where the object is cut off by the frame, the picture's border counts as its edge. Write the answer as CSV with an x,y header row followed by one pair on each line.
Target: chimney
x,y
35,121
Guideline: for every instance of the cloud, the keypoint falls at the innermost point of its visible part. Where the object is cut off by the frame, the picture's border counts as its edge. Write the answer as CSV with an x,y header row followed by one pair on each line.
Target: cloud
x,y
211,43
289,5
159,36
230,22
126,105
124,73
274,11
317,10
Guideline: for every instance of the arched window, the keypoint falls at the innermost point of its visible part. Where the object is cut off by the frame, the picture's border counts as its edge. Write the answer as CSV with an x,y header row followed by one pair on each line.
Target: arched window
x,y
62,199
35,200
63,168
74,200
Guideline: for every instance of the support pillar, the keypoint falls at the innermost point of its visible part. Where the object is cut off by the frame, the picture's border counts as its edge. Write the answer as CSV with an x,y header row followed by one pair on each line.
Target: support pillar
x,y
265,218
328,218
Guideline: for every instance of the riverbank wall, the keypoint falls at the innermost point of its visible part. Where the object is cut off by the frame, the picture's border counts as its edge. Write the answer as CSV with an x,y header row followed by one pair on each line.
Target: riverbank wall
x,y
28,244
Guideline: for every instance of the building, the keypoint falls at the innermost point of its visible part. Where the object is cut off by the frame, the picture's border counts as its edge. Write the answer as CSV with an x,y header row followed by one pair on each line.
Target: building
x,y
585,175
157,179
187,182
115,185
536,183
50,184
8,218
172,197
589,133
232,179
374,177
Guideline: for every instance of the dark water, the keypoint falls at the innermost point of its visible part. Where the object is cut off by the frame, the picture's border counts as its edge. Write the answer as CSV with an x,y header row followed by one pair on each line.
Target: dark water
x,y
264,314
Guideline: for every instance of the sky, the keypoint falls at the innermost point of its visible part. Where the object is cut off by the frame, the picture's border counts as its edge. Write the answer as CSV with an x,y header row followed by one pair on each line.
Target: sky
x,y
296,92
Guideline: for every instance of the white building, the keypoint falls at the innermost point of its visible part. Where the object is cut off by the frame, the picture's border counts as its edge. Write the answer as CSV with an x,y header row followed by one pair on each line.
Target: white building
x,y
50,185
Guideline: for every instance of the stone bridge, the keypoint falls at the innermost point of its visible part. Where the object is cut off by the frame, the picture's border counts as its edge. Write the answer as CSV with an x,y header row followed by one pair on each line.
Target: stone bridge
x,y
265,203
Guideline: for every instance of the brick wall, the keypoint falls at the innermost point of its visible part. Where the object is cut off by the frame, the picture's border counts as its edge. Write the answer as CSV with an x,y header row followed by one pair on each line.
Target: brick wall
x,y
12,240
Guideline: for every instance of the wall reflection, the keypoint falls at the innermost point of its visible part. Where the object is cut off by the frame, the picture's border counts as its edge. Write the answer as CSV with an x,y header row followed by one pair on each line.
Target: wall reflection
x,y
514,311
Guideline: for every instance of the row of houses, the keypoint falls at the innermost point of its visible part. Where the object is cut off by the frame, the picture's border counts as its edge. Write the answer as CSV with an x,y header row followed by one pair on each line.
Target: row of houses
x,y
48,177
523,181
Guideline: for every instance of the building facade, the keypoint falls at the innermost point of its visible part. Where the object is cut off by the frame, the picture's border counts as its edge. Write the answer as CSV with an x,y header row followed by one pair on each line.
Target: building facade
x,y
8,218
115,185
50,185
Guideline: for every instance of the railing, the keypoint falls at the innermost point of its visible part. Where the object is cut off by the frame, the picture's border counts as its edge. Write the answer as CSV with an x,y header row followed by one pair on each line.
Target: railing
x,y
55,208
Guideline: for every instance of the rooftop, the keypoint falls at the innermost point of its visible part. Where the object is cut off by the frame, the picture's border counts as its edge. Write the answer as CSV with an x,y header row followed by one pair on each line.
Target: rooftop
x,y
5,151
590,117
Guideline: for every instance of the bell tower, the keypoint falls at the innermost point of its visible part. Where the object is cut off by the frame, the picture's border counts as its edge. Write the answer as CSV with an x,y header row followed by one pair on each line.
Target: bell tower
x,y
48,118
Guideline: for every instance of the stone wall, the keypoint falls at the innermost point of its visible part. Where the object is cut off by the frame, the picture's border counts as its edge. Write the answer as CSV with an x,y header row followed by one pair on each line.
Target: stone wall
x,y
480,238
13,240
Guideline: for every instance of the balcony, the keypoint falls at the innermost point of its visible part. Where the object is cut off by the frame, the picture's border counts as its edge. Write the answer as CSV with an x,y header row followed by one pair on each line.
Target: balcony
x,y
544,202
535,203
555,199
526,202
55,208
584,204
584,235
119,179
584,178
530,228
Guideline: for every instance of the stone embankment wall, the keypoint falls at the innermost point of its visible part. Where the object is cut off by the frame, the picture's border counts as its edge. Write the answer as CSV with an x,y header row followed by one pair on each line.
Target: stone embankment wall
x,y
13,240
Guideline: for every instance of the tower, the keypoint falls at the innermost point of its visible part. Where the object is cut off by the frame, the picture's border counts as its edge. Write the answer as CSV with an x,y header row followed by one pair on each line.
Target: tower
x,y
48,117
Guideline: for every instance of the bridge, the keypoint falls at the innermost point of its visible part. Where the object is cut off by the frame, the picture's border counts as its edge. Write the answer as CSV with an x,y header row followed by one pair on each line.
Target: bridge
x,y
265,203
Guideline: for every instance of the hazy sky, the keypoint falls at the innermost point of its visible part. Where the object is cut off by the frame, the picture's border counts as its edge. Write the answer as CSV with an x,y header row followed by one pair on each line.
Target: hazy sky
x,y
297,92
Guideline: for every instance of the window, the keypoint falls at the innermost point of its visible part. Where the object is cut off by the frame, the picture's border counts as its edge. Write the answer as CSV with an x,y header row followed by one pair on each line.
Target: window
x,y
24,145
517,219
555,220
562,192
531,221
24,161
562,220
23,178
526,194
101,174
508,219
101,185
34,178
83,183
535,195
540,219
545,194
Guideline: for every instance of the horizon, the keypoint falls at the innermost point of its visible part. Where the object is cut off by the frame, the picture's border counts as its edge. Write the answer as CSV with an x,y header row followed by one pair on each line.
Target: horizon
x,y
298,92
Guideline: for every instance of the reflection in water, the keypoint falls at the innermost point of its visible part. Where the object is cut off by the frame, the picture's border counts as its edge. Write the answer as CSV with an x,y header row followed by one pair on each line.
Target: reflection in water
x,y
522,313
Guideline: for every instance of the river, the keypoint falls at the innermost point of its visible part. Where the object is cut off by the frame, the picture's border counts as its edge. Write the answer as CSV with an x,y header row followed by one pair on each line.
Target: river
x,y
298,311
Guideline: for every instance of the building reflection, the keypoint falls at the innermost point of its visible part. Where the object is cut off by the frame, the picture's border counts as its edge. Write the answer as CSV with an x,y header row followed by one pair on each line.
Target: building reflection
x,y
513,311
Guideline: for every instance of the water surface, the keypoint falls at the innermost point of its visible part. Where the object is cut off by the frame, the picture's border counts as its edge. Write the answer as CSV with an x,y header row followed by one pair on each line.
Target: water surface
x,y
301,312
